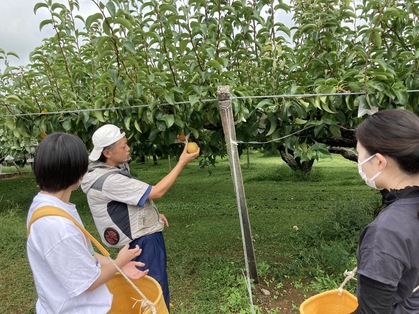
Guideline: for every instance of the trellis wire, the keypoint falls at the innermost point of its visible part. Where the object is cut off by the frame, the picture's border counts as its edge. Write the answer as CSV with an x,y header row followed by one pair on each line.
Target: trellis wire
x,y
276,139
188,102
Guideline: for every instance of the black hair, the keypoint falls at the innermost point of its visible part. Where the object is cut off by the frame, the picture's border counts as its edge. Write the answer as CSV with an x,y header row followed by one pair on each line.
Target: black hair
x,y
60,161
102,157
394,133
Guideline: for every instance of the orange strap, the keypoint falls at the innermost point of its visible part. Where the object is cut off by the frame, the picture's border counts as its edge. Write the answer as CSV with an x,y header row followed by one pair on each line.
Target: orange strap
x,y
55,211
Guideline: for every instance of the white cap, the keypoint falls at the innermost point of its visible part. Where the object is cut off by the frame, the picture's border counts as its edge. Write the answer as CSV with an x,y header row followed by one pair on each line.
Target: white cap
x,y
103,137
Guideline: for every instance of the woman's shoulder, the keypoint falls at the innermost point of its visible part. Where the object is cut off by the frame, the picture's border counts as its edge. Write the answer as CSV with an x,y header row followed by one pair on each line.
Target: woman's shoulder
x,y
399,220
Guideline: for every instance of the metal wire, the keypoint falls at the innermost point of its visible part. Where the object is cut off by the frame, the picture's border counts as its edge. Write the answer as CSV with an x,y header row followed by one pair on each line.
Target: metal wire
x,y
188,102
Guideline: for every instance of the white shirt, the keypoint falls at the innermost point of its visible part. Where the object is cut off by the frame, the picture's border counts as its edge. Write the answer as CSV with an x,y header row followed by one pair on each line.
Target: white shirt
x,y
63,264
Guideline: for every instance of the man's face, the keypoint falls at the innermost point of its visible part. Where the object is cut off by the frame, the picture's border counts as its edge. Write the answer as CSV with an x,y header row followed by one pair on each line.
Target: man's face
x,y
118,152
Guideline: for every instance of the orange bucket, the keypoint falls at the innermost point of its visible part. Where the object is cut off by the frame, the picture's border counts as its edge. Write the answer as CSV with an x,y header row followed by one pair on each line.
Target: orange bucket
x,y
125,296
330,302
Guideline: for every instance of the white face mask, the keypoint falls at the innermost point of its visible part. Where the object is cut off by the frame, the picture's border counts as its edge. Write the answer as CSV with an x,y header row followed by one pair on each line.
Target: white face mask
x,y
370,182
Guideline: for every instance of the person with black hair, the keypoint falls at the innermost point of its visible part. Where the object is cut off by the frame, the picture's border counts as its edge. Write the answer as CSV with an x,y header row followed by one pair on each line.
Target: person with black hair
x,y
122,205
69,276
388,250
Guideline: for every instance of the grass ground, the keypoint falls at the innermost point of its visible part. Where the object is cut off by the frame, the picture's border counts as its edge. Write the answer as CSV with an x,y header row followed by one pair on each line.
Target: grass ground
x,y
305,230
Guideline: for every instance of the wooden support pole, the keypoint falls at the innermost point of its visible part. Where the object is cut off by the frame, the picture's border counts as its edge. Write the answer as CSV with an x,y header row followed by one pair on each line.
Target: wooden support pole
x,y
227,118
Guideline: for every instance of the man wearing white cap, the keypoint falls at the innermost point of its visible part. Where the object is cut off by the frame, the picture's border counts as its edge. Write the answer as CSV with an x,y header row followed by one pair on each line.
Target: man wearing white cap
x,y
122,206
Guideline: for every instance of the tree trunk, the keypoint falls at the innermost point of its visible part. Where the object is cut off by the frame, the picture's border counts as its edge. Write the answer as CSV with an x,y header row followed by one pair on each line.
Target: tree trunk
x,y
295,163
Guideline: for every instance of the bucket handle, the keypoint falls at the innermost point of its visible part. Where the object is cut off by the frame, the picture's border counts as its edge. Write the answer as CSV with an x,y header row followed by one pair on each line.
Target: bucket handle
x,y
349,275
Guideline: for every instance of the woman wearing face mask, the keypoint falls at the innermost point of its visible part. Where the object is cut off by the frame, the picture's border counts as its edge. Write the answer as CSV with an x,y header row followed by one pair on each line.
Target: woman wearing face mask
x,y
388,251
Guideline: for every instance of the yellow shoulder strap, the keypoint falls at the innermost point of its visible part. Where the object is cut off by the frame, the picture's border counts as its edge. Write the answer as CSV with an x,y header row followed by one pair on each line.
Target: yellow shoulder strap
x,y
55,211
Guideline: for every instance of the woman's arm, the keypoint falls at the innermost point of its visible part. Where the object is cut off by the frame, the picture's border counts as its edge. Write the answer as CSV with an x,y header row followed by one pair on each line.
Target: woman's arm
x,y
124,261
375,297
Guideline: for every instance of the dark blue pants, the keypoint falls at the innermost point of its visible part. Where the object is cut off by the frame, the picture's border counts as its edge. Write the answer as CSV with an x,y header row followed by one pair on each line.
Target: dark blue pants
x,y
153,255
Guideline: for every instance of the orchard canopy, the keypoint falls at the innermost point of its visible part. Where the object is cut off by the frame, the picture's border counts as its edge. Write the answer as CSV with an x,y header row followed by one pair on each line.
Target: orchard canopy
x,y
153,68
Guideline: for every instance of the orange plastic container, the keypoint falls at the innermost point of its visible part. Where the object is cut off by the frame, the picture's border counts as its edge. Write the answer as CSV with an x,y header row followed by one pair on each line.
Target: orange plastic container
x,y
330,302
125,296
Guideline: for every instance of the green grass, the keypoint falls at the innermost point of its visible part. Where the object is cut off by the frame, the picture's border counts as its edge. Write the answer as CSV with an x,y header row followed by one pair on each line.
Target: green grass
x,y
302,227
9,168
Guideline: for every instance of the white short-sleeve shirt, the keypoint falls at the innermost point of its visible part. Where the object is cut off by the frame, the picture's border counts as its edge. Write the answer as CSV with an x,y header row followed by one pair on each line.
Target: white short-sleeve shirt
x,y
63,263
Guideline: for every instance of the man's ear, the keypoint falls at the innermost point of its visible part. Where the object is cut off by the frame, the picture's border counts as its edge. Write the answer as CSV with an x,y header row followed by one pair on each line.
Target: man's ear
x,y
106,153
